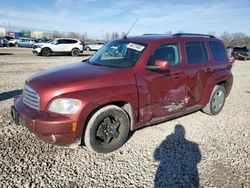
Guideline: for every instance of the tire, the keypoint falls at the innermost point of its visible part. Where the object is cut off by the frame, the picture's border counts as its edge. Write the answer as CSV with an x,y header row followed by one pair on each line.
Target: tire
x,y
16,45
88,49
75,52
101,138
45,52
216,101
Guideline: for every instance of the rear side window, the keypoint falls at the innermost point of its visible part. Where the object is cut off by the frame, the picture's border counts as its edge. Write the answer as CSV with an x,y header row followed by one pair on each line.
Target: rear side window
x,y
196,52
218,50
72,41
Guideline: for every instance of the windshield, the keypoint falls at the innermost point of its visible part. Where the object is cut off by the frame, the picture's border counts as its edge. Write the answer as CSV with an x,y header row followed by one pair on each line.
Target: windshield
x,y
118,53
50,41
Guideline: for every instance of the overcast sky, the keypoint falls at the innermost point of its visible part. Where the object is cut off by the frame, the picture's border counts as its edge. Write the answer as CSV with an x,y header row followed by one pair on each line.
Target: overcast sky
x,y
155,16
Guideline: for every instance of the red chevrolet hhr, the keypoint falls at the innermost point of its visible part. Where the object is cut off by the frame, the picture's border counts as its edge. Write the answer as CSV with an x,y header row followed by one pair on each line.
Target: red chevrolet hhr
x,y
127,84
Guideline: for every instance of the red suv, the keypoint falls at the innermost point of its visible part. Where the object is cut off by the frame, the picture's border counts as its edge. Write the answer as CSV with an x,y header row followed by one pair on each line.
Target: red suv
x,y
127,84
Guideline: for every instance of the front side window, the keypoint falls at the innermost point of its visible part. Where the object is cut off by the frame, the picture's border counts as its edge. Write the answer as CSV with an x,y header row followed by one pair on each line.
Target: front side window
x,y
167,52
118,53
218,50
196,52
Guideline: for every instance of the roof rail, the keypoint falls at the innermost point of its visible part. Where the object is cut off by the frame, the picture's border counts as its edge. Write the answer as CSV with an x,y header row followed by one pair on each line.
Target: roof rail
x,y
153,34
192,35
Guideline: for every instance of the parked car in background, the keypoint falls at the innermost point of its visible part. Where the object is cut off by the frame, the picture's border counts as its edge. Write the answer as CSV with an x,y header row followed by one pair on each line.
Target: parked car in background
x,y
13,42
230,56
59,45
25,42
4,42
93,46
230,50
129,83
241,53
42,40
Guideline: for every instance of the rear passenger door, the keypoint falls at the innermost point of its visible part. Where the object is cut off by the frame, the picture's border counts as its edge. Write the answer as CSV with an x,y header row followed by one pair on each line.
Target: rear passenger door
x,y
197,70
71,44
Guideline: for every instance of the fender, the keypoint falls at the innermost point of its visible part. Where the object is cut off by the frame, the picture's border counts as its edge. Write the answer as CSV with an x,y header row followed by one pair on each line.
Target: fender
x,y
93,99
216,78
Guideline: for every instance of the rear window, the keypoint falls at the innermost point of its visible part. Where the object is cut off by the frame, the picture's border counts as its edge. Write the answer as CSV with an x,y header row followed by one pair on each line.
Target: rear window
x,y
196,52
218,50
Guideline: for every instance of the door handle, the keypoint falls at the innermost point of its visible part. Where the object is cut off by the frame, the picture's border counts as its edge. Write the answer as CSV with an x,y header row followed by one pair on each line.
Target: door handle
x,y
176,75
208,70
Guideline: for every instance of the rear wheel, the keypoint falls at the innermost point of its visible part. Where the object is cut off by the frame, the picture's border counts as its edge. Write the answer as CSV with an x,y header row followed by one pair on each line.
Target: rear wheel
x,y
75,52
16,45
216,102
88,49
45,52
107,129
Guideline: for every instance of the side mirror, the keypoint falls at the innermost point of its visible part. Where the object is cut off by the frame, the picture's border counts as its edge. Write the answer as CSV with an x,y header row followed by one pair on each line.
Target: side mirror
x,y
159,65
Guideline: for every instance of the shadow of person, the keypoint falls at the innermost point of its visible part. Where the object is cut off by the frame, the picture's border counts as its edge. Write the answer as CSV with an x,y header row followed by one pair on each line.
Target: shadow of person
x,y
178,161
10,94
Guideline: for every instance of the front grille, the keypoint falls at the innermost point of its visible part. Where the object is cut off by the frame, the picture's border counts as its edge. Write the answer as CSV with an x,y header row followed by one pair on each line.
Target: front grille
x,y
31,98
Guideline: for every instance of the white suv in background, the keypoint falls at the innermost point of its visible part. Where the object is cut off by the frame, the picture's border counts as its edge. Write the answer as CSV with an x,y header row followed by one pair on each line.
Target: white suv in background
x,y
93,46
59,45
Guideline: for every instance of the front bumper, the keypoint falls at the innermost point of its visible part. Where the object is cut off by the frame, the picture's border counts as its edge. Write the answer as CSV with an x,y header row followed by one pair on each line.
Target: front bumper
x,y
51,128
36,51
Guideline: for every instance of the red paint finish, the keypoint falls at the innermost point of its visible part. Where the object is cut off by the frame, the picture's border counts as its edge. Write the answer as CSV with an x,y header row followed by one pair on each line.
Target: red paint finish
x,y
150,94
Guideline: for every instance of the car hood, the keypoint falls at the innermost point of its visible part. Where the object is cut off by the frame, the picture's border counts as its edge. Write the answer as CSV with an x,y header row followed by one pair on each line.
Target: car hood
x,y
77,77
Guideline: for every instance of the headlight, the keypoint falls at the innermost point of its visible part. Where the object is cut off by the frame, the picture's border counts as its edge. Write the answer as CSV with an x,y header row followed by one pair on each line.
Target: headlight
x,y
65,106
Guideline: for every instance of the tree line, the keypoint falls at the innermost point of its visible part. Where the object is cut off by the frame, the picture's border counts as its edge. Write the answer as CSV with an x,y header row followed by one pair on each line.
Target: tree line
x,y
84,37
230,39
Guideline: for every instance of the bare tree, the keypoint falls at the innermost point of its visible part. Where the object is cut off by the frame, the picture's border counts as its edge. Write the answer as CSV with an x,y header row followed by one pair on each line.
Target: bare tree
x,y
117,35
211,33
74,35
123,34
169,32
235,39
107,36
57,34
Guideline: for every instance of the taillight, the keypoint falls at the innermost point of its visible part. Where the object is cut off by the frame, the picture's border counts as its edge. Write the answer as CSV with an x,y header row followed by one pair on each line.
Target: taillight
x,y
231,59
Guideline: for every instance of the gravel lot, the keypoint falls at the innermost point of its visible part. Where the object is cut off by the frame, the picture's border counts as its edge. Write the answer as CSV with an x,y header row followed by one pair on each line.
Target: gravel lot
x,y
195,150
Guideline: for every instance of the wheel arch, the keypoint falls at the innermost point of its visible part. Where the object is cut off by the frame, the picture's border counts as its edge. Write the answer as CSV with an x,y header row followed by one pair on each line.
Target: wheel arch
x,y
225,84
226,81
46,47
126,106
75,48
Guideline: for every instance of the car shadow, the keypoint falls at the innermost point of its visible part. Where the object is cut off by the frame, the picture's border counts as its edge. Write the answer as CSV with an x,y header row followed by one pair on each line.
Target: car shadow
x,y
178,159
10,94
6,53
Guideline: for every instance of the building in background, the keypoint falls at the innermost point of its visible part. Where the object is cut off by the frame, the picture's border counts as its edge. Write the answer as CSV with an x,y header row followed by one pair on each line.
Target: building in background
x,y
2,31
18,34
26,33
37,34
10,33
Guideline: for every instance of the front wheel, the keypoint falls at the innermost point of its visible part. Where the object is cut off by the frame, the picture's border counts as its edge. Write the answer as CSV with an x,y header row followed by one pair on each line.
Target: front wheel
x,y
45,52
216,102
107,129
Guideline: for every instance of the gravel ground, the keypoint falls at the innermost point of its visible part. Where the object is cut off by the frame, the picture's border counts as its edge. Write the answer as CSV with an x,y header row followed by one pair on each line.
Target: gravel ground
x,y
196,150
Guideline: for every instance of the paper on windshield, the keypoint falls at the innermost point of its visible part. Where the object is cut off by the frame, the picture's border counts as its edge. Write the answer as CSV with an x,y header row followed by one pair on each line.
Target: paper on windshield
x,y
136,47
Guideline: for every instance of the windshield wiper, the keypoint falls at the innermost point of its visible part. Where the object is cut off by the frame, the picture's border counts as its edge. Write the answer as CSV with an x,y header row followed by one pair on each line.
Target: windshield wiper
x,y
98,64
91,63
